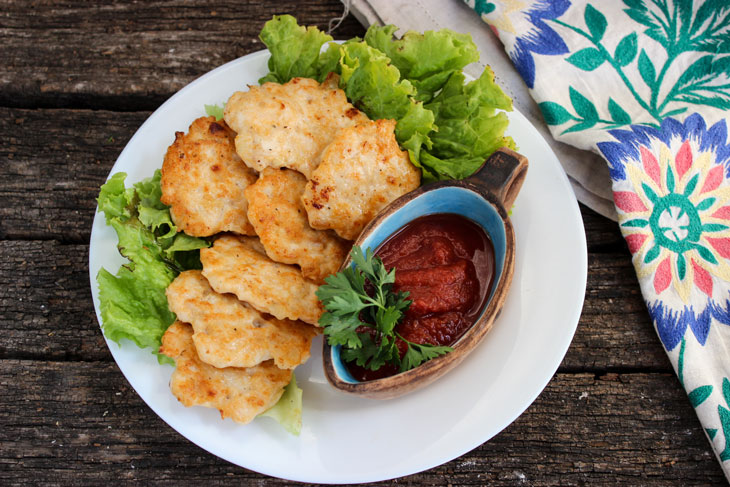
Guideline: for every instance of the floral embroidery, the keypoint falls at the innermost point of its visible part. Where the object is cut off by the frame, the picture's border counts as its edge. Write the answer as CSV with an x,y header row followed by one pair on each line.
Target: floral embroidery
x,y
529,29
673,198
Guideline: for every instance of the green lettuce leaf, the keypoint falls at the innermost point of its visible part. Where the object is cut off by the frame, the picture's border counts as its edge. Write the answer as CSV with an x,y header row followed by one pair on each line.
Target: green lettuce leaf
x,y
470,128
133,304
295,50
448,127
288,409
375,86
426,60
215,111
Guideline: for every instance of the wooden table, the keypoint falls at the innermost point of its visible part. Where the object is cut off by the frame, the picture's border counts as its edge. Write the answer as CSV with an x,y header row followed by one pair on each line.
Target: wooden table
x,y
76,83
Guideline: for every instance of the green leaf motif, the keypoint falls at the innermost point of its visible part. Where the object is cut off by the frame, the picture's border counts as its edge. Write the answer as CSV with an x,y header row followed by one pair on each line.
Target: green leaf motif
x,y
618,114
670,180
705,254
586,59
583,106
653,197
711,432
691,185
595,21
584,125
626,49
646,69
681,267
726,390
554,113
706,204
635,223
699,395
714,227
725,422
652,254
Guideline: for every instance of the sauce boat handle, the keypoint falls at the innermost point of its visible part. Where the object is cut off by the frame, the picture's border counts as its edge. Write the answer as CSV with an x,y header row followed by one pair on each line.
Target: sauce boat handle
x,y
502,174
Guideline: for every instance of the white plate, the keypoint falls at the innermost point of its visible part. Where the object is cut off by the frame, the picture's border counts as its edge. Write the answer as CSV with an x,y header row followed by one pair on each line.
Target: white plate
x,y
347,439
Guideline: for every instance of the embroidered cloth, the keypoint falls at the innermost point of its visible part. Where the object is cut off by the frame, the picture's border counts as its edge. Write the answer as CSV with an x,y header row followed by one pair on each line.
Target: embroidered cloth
x,y
645,84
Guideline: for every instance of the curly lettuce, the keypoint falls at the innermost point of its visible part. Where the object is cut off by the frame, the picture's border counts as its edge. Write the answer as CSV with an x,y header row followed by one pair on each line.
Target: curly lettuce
x,y
448,127
133,304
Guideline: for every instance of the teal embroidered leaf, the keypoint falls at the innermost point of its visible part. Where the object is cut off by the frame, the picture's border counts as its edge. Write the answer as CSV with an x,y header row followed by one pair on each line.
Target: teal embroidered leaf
x,y
680,362
639,12
670,180
646,69
681,267
583,106
705,254
626,49
725,422
699,395
697,70
595,21
584,125
714,227
691,185
586,59
726,390
554,113
652,254
653,197
711,432
705,204
635,223
618,114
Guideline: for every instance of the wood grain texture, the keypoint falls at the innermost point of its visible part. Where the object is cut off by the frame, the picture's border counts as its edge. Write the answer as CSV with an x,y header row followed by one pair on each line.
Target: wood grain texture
x,y
131,55
81,423
77,80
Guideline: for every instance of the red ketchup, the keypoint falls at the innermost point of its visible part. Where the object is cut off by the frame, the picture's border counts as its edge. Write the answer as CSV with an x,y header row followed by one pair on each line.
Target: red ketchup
x,y
446,263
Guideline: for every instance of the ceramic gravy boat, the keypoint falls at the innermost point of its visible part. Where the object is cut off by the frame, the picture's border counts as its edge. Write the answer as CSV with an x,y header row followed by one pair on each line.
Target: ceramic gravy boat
x,y
482,198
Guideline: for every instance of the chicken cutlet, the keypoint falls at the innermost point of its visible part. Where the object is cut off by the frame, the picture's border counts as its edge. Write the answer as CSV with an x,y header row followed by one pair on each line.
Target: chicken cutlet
x,y
360,172
277,214
238,393
239,265
203,181
288,125
230,333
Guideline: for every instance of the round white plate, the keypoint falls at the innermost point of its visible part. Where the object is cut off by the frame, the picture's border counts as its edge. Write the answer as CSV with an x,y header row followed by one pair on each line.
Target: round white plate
x,y
347,439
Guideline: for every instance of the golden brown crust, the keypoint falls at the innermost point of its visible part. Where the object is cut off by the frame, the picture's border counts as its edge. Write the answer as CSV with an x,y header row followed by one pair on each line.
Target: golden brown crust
x,y
230,333
238,393
288,125
239,265
360,172
277,214
203,180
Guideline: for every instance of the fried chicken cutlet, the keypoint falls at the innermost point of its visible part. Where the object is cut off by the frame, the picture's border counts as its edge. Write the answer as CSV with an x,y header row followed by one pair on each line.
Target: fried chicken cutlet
x,y
203,181
230,333
239,265
238,393
360,172
277,214
288,125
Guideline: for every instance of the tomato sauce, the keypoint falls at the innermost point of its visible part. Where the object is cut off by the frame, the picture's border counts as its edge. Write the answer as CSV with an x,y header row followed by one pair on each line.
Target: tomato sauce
x,y
446,263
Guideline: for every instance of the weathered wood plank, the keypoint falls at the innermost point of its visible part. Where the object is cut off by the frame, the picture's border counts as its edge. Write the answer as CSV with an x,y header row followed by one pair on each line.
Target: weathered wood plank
x,y
53,162
81,423
132,55
46,311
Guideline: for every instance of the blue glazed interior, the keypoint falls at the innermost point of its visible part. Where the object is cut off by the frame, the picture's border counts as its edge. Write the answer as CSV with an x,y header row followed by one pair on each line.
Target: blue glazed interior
x,y
449,199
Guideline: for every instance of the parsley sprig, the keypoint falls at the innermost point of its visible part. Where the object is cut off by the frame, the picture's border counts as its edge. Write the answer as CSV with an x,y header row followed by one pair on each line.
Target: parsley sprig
x,y
351,303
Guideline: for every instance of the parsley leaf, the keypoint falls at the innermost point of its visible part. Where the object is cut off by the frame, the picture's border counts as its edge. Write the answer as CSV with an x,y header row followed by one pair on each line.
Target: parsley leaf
x,y
362,312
